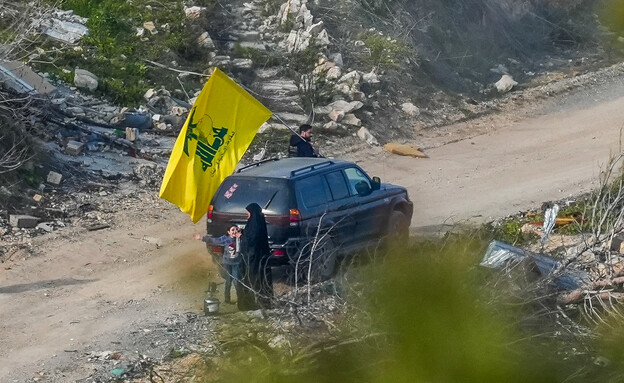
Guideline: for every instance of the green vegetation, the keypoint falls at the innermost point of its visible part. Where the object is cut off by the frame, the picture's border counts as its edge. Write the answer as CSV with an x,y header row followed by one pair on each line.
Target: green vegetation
x,y
385,52
116,54
428,314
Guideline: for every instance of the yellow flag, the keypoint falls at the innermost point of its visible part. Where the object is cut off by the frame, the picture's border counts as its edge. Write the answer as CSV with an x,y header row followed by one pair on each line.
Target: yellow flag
x,y
216,134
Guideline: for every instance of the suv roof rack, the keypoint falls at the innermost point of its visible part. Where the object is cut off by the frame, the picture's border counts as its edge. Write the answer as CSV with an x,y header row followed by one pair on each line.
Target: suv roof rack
x,y
256,164
311,168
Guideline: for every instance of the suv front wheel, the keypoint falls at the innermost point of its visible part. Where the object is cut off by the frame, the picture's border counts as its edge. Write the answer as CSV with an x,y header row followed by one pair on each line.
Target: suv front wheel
x,y
398,226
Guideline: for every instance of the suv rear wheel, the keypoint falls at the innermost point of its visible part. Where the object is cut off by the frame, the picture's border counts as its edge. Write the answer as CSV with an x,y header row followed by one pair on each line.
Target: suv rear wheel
x,y
324,259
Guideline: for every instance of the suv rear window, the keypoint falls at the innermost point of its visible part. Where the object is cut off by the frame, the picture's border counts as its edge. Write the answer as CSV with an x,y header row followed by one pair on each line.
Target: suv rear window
x,y
236,193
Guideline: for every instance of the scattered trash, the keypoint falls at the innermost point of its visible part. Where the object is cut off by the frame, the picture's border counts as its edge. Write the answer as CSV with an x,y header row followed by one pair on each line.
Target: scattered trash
x,y
550,218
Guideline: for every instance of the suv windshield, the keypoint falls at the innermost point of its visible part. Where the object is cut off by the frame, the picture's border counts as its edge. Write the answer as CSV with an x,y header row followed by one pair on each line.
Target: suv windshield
x,y
236,193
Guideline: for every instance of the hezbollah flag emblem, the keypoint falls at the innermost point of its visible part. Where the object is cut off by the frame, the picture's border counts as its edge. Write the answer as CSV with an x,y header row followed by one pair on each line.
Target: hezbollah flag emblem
x,y
216,134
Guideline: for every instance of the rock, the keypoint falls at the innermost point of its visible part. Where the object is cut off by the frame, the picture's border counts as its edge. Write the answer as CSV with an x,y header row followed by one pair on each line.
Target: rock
x,y
54,178
505,84
264,127
315,28
74,148
132,134
350,119
37,197
162,126
350,78
205,41
333,73
332,125
336,115
370,77
345,106
149,25
85,79
337,58
367,137
242,63
220,61
193,12
322,39
358,96
404,150
410,109
23,221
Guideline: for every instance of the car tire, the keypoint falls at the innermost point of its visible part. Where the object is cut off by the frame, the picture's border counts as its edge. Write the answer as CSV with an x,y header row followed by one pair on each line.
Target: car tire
x,y
398,227
324,260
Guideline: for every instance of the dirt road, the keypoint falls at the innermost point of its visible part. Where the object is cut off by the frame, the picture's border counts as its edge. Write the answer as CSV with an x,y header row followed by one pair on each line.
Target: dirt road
x,y
89,292
502,164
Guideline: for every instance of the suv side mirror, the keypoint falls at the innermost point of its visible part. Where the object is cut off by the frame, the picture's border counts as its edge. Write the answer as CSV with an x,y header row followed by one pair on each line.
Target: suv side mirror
x,y
376,183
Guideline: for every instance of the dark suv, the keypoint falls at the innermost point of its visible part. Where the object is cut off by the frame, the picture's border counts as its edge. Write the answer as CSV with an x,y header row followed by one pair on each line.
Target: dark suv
x,y
313,206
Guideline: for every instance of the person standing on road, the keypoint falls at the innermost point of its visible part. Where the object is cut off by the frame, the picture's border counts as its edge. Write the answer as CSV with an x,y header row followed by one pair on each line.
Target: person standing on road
x,y
256,287
301,143
231,257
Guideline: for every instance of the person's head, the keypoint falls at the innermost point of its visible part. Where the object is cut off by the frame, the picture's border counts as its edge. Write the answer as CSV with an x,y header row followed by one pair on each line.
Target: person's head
x,y
253,209
233,231
305,131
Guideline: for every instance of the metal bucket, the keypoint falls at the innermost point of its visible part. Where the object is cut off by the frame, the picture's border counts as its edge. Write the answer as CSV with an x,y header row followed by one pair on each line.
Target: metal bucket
x,y
211,306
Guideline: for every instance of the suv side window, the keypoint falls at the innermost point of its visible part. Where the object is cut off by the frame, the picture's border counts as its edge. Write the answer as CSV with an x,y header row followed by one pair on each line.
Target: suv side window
x,y
311,191
337,185
358,181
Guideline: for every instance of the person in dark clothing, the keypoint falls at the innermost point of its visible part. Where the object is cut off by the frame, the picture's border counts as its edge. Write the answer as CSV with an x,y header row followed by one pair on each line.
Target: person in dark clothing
x,y
256,287
301,143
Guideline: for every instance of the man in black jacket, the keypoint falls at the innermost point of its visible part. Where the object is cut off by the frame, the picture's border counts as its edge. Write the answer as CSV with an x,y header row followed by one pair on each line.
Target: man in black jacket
x,y
301,142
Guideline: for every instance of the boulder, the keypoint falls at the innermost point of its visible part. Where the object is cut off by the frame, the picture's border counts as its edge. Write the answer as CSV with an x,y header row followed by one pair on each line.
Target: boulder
x,y
370,77
322,39
85,79
367,137
333,73
332,125
193,12
242,63
505,84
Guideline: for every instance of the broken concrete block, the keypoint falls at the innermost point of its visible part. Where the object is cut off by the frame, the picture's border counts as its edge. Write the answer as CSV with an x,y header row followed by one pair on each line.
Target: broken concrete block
x,y
149,94
132,134
74,148
23,221
37,197
54,178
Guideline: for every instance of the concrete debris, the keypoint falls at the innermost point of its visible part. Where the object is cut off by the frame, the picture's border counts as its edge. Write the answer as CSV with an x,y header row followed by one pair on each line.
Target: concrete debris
x,y
366,136
20,78
410,109
66,31
54,178
505,84
193,12
23,221
74,148
150,27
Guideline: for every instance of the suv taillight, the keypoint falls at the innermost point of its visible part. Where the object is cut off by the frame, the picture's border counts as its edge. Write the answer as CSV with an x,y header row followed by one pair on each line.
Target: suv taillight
x,y
295,217
210,209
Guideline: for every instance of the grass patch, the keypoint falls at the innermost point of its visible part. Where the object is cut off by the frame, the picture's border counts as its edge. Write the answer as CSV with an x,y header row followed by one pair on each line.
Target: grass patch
x,y
115,53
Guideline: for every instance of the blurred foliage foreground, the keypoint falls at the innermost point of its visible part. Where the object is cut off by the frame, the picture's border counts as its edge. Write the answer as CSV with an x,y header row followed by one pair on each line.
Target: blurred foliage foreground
x,y
429,313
